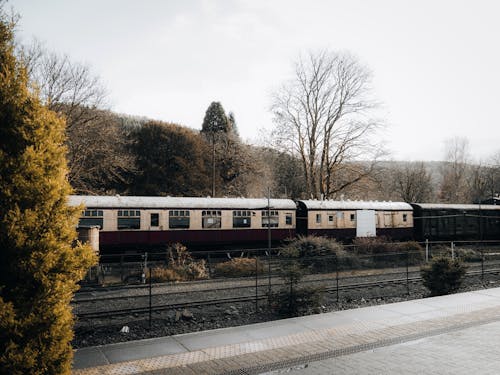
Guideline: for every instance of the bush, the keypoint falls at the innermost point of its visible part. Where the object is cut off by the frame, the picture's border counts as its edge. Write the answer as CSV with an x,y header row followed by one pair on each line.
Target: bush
x,y
443,275
385,253
180,266
162,274
467,255
319,254
297,302
239,267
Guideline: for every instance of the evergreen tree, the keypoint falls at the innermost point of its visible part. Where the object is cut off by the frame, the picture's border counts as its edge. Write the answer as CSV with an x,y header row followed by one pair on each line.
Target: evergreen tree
x,y
215,120
39,268
232,124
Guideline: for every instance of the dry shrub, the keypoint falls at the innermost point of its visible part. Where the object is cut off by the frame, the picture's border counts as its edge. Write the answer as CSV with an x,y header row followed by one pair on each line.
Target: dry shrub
x,y
239,267
319,254
385,253
180,266
162,274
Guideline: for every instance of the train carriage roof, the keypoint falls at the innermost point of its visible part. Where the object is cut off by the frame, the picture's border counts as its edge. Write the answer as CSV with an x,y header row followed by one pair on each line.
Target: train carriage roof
x,y
354,205
447,206
116,202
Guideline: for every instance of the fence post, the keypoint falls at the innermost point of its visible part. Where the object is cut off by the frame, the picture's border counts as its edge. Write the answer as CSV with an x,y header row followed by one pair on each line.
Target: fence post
x,y
256,285
150,297
407,272
482,265
337,278
426,250
269,278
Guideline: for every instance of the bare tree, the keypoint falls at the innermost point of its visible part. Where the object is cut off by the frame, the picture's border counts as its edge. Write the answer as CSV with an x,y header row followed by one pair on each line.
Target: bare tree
x,y
484,179
98,158
323,115
65,87
413,182
455,170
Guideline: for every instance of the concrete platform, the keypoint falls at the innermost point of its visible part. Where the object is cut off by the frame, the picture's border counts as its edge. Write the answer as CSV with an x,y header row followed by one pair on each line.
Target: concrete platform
x,y
291,344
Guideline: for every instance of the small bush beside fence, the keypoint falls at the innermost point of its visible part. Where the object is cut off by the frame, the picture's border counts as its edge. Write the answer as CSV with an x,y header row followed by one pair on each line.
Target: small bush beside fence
x,y
388,254
239,267
443,275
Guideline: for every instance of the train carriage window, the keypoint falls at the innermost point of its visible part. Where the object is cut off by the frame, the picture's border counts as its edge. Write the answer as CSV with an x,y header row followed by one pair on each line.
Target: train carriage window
x,y
270,221
318,218
155,220
353,217
242,219
129,219
288,219
178,219
405,218
211,219
91,218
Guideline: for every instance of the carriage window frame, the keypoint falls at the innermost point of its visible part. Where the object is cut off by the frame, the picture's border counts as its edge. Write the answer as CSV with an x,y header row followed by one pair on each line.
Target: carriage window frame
x,y
91,218
179,219
242,219
211,219
128,219
272,220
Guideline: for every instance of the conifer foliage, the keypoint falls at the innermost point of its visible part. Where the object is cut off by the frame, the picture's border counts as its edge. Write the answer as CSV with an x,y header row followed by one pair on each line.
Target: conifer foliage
x,y
39,268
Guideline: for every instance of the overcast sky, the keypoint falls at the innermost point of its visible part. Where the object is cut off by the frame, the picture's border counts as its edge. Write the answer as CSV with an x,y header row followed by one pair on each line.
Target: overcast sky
x,y
436,64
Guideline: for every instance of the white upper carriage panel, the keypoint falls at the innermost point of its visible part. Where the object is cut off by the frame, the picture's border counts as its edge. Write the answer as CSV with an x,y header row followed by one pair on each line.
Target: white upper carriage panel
x,y
111,202
356,205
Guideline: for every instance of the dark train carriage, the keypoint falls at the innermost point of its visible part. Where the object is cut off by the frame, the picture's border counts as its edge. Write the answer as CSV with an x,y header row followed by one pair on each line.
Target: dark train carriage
x,y
438,221
199,223
346,220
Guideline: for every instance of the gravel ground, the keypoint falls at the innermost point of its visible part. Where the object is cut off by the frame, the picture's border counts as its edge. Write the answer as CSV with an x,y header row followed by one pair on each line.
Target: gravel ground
x,y
106,331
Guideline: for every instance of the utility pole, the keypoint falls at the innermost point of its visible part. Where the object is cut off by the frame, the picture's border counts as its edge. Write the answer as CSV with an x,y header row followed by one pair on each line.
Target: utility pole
x,y
269,241
213,164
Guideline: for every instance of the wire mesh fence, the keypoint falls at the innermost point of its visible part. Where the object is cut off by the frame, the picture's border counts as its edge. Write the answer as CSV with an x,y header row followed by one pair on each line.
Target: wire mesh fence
x,y
139,286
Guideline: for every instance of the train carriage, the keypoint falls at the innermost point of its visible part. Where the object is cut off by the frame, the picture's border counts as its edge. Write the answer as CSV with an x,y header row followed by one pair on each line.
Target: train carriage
x,y
128,222
346,220
439,221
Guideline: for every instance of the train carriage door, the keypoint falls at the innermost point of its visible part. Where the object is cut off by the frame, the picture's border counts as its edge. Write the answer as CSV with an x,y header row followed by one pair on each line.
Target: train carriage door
x,y
365,223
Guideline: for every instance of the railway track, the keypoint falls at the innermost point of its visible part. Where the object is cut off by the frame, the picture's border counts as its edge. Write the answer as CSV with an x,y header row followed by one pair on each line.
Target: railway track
x,y
250,297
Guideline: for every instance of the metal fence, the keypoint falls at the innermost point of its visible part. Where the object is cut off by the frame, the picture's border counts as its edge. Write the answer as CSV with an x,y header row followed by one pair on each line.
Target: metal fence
x,y
136,287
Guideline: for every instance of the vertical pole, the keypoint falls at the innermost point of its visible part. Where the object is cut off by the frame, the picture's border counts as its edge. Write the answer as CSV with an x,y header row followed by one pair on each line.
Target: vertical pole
x,y
452,250
337,278
256,286
407,273
269,242
150,297
426,250
213,164
482,265
269,278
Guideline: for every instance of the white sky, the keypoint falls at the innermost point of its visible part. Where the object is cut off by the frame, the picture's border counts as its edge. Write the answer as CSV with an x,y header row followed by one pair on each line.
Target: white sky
x,y
436,64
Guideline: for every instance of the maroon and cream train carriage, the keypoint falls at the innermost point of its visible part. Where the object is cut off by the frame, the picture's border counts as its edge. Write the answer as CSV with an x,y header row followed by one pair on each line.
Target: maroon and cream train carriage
x,y
346,220
141,222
